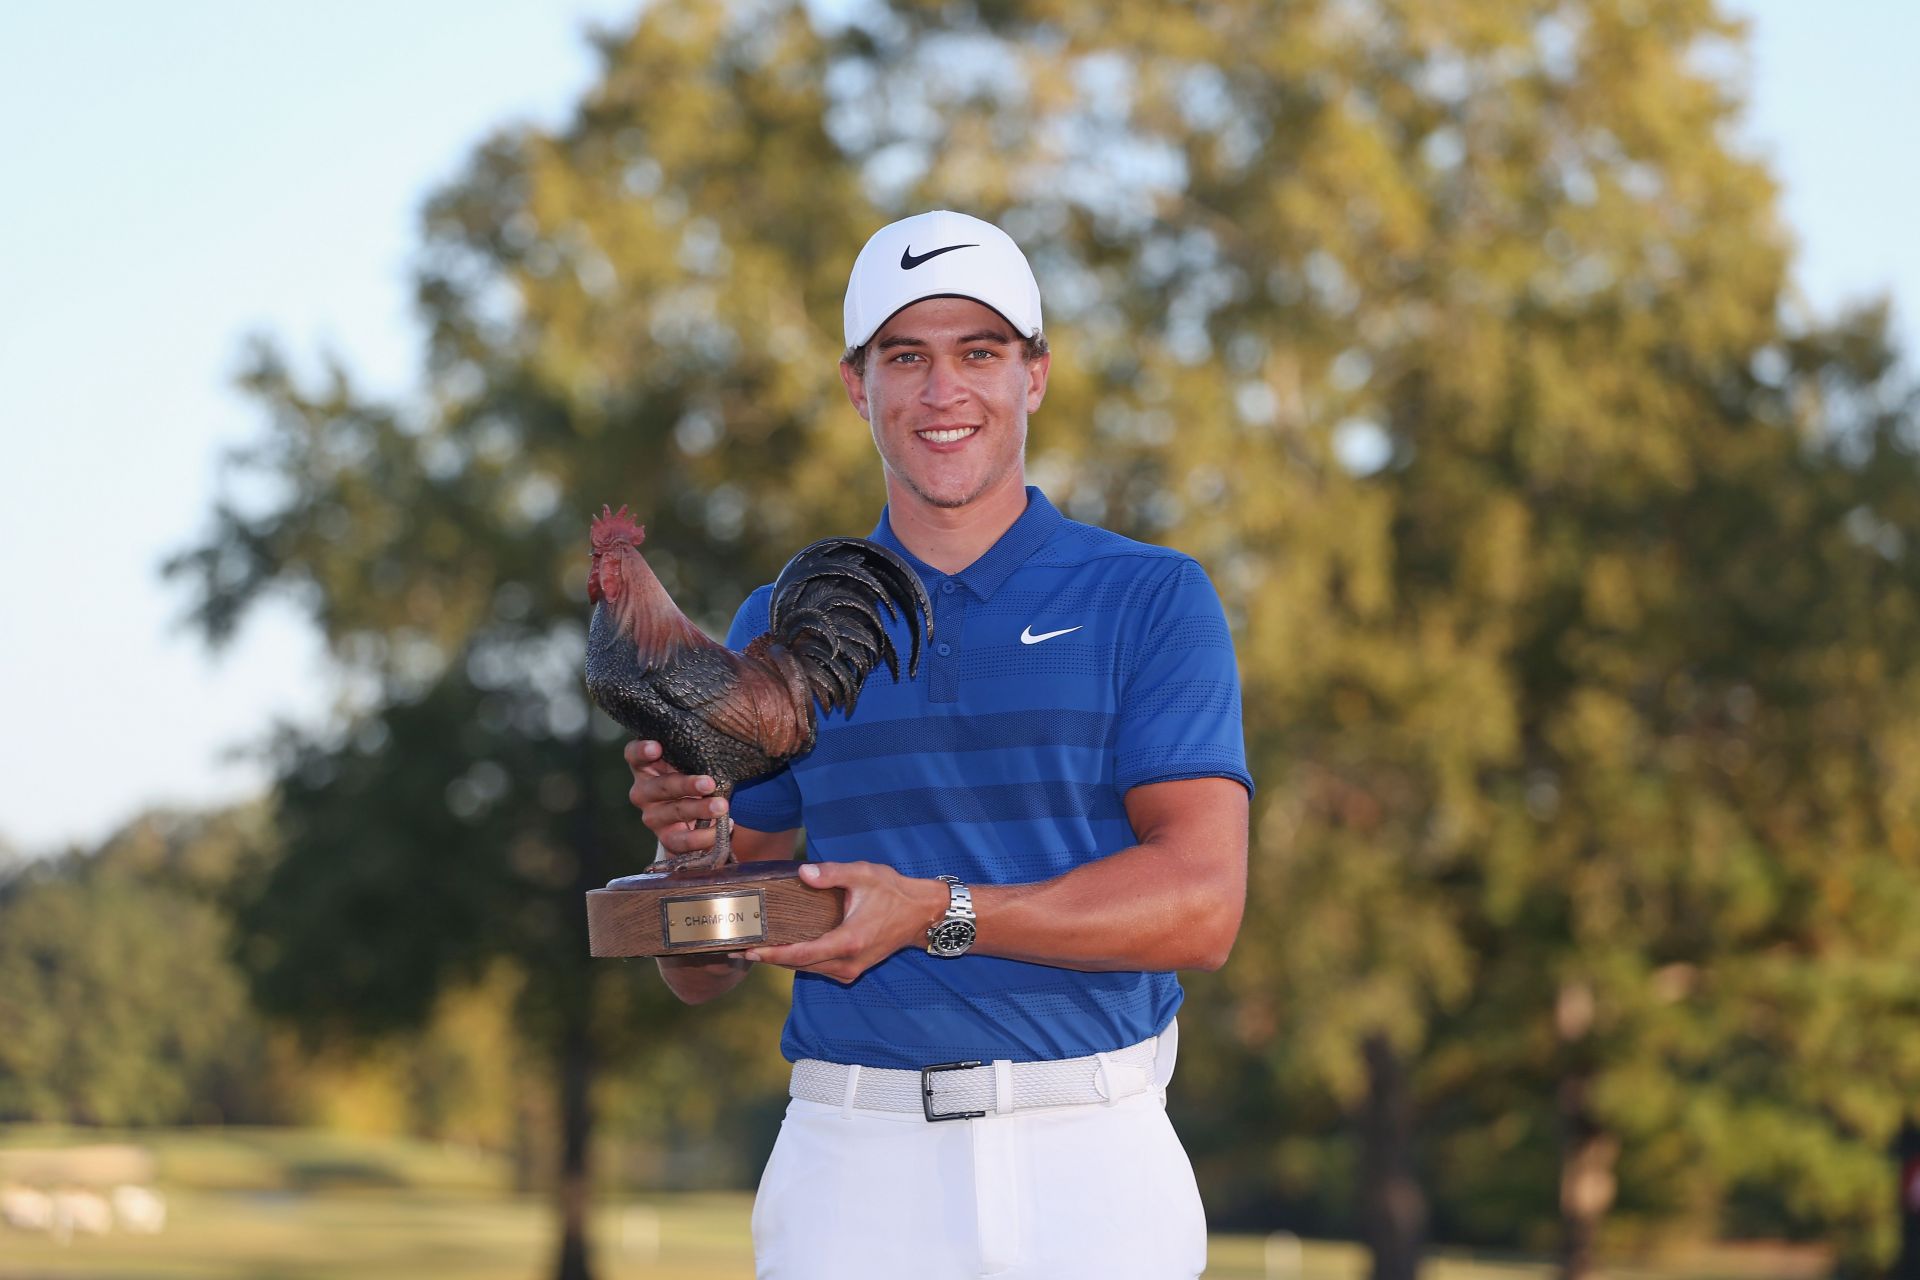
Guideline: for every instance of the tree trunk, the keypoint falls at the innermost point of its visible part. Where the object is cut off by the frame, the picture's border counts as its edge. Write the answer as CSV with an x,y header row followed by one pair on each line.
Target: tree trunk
x,y
576,1127
1586,1179
527,1162
1906,1156
577,1058
1587,1151
1393,1207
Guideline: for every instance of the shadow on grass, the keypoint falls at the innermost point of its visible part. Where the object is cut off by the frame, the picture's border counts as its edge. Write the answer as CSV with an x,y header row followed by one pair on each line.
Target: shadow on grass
x,y
343,1174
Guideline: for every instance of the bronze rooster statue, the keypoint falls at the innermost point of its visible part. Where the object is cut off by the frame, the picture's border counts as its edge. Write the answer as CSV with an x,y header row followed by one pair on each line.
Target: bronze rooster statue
x,y
741,716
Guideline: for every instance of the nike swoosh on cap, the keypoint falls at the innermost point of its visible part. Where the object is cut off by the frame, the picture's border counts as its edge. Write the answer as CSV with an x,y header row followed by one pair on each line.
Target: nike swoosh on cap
x,y
1027,636
909,259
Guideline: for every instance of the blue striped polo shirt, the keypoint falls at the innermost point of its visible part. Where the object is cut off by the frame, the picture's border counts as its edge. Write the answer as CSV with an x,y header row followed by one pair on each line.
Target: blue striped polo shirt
x,y
1069,664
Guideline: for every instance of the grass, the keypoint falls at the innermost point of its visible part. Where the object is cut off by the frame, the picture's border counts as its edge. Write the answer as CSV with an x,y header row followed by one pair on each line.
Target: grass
x,y
331,1235
270,1204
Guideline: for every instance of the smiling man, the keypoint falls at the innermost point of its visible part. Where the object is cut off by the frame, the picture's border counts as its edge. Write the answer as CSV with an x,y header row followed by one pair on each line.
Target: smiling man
x,y
1033,836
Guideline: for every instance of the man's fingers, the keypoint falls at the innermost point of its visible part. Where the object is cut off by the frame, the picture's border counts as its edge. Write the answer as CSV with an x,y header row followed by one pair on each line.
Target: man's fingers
x,y
665,813
843,940
647,758
836,875
839,953
671,802
651,789
681,838
798,955
673,786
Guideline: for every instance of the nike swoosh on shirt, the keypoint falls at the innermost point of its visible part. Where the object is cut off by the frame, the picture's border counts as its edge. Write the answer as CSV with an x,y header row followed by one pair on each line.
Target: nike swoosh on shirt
x,y
909,259
1027,636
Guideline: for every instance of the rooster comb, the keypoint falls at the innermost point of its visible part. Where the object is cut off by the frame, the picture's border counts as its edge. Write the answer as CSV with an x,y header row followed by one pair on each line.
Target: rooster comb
x,y
612,526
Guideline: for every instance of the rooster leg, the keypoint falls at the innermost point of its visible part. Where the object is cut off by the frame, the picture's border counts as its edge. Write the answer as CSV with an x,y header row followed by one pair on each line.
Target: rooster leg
x,y
721,855
723,841
723,829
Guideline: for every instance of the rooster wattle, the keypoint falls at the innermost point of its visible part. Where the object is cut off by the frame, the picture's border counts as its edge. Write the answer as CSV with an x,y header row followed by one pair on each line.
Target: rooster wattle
x,y
741,716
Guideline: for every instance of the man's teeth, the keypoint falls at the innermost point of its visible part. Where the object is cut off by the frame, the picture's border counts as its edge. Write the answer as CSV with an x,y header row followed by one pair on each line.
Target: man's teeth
x,y
948,437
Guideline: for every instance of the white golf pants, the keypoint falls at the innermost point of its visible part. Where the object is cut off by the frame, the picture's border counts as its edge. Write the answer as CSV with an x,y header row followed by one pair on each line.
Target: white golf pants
x,y
1100,1191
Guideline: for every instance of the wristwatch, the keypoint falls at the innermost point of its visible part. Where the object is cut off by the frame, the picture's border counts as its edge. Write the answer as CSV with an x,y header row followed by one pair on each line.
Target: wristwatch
x,y
952,933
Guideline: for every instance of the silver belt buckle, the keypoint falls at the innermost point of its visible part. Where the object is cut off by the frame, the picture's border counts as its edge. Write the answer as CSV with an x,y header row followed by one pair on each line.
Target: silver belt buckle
x,y
926,1092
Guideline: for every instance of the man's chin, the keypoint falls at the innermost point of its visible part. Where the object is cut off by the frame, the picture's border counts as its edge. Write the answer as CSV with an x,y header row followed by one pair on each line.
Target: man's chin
x,y
950,497
949,500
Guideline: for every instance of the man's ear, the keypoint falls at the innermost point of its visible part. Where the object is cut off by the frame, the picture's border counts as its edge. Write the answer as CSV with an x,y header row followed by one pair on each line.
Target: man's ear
x,y
1037,371
856,385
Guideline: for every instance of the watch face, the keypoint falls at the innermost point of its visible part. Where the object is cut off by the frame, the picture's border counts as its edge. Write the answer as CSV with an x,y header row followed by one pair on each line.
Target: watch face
x,y
951,937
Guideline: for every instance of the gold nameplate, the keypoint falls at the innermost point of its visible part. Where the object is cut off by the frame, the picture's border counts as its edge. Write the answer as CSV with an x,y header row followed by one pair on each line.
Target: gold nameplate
x,y
734,917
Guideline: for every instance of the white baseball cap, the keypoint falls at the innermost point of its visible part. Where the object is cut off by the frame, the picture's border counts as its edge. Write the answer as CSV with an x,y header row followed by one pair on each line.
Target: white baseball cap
x,y
937,255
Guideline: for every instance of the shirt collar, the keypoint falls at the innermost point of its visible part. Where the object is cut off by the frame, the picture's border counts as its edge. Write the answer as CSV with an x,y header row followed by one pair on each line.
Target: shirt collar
x,y
1015,547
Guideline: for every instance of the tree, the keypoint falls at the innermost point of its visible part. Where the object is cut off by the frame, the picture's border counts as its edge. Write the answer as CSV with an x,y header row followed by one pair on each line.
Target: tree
x,y
96,949
583,351
1564,555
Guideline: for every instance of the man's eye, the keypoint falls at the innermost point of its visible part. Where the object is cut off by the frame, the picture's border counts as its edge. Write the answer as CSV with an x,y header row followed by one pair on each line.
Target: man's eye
x,y
906,357
980,351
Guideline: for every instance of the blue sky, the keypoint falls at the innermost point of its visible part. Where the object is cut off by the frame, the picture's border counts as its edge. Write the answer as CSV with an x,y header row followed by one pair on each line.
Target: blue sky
x,y
174,178
1833,92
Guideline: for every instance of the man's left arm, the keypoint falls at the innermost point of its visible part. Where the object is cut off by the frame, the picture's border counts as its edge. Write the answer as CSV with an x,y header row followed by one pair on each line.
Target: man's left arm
x,y
1171,901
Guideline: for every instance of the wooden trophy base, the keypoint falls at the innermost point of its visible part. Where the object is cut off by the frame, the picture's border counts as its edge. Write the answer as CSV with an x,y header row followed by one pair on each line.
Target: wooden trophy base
x,y
739,906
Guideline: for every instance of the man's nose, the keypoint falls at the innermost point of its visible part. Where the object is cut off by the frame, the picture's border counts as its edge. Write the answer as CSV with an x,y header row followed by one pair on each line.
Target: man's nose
x,y
944,385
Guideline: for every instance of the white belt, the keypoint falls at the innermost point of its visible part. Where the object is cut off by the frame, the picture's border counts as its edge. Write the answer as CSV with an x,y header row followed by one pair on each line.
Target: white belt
x,y
965,1090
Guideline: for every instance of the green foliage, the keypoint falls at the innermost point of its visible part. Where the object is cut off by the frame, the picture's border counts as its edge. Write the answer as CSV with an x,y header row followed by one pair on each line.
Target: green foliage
x,y
121,1004
118,1004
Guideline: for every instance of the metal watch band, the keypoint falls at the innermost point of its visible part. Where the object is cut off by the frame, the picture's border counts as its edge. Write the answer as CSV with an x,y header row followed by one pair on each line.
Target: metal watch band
x,y
952,933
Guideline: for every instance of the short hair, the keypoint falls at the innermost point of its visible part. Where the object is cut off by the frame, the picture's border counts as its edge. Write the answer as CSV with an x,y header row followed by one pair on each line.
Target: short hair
x,y
1034,348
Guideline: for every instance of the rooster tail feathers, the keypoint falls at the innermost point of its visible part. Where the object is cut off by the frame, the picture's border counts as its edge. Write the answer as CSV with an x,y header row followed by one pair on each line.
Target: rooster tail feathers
x,y
827,612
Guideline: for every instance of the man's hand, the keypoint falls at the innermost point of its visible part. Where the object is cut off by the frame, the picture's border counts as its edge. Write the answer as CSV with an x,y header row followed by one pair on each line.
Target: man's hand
x,y
670,802
885,912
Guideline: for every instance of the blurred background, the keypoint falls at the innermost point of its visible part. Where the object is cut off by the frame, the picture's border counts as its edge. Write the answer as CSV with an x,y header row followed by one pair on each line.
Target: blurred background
x,y
1529,375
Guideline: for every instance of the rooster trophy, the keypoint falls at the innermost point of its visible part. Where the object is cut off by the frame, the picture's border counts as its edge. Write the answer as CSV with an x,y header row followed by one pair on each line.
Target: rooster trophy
x,y
741,716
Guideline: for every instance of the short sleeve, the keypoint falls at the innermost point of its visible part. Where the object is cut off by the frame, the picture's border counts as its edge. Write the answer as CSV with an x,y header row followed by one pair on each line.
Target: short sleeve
x,y
1180,707
771,803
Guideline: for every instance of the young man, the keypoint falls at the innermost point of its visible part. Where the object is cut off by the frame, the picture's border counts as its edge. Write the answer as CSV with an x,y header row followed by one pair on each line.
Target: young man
x,y
1032,836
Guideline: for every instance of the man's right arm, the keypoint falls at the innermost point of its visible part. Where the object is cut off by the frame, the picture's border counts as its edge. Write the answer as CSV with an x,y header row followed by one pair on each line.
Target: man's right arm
x,y
670,802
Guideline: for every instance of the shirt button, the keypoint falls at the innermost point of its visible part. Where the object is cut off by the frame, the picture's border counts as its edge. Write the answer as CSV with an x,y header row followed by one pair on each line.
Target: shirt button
x,y
946,588
943,650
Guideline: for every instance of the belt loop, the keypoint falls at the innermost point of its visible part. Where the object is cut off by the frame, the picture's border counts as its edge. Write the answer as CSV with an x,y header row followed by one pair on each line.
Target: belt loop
x,y
853,1091
1003,1086
1104,1079
1166,1050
